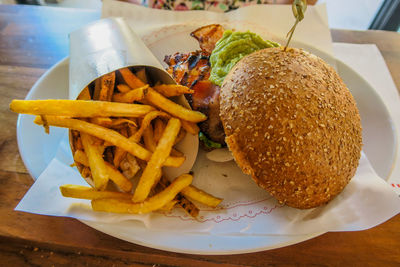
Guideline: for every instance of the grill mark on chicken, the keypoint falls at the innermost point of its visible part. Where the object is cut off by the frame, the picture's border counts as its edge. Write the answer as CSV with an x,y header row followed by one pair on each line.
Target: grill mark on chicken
x,y
193,70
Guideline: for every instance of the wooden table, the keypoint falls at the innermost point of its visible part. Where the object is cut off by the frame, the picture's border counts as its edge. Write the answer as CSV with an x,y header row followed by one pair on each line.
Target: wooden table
x,y
32,39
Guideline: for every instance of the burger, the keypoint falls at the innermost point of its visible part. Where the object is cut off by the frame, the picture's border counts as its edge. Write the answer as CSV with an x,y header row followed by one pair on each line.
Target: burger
x,y
290,123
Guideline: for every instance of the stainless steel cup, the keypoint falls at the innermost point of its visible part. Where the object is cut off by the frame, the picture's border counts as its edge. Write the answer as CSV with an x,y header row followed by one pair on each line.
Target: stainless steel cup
x,y
105,46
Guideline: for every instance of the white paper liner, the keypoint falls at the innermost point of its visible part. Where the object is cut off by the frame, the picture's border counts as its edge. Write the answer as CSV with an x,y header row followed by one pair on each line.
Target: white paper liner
x,y
246,210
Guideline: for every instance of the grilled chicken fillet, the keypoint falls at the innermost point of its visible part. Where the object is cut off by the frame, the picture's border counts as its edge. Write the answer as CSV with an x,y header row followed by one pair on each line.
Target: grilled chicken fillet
x,y
193,70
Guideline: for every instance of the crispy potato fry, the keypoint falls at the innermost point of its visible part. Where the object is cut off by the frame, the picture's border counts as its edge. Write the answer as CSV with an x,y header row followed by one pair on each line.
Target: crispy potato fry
x,y
114,175
159,127
130,79
141,74
107,83
132,95
78,142
190,127
152,172
185,203
108,135
86,172
148,139
199,195
116,123
170,90
118,178
169,206
151,144
176,153
86,192
153,203
172,108
85,94
79,108
96,162
120,153
123,88
97,89
146,122
80,157
45,124
102,121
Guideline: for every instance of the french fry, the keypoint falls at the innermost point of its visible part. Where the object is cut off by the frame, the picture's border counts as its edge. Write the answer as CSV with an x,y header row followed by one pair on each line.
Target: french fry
x,y
150,143
176,153
119,153
146,122
102,121
185,203
114,175
172,108
85,192
159,127
141,74
116,123
107,83
153,203
45,124
132,95
123,88
190,127
85,94
199,195
80,157
96,163
97,89
130,79
79,108
108,135
170,90
118,178
152,172
86,172
169,206
148,139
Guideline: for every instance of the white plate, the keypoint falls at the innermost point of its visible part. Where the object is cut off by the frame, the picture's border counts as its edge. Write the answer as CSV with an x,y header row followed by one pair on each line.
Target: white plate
x,y
37,149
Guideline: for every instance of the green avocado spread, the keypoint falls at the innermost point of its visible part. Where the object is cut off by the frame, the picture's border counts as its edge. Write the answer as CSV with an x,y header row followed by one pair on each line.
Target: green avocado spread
x,y
231,48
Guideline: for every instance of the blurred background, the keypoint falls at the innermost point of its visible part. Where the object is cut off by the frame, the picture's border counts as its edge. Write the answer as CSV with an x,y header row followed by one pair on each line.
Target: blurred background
x,y
342,14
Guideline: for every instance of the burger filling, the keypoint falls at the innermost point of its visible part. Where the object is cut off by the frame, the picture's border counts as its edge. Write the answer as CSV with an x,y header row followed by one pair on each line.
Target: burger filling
x,y
204,71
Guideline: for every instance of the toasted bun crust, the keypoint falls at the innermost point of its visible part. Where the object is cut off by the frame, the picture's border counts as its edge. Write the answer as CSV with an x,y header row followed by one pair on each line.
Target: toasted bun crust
x,y
292,124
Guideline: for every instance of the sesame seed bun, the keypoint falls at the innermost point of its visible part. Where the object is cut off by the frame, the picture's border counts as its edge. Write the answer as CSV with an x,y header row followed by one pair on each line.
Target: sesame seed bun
x,y
292,124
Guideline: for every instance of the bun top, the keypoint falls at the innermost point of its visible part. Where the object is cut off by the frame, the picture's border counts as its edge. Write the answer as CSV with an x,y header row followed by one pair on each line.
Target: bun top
x,y
292,124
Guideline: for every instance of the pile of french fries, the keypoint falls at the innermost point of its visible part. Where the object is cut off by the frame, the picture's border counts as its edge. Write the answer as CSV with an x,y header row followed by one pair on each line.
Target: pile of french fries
x,y
122,132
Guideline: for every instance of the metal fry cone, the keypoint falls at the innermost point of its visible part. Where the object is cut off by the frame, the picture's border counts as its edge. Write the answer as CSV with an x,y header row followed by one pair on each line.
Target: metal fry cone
x,y
105,46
